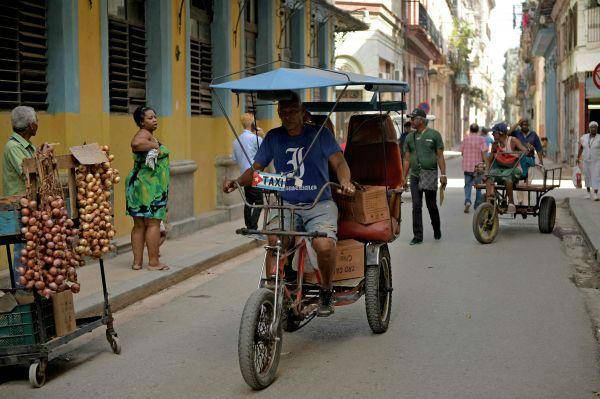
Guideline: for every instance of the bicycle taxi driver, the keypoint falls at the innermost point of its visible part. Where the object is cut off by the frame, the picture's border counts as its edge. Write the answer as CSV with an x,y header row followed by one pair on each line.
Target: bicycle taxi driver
x,y
287,146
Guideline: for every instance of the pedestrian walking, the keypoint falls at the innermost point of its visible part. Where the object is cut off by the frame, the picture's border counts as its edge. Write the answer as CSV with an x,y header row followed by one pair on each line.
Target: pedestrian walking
x,y
16,150
473,149
532,142
589,153
147,189
244,151
489,138
423,155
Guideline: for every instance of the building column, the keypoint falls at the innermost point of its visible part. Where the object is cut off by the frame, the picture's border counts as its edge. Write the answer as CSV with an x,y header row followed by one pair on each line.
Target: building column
x,y
63,56
220,31
159,32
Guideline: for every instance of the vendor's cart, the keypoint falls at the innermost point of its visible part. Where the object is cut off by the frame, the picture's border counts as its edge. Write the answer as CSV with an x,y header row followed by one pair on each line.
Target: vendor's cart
x,y
26,333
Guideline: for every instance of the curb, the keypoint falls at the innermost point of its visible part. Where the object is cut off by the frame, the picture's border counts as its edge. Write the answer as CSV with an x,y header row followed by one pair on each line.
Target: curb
x,y
136,294
587,228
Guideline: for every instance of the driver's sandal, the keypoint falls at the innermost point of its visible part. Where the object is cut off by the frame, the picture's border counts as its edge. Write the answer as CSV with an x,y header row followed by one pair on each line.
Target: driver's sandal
x,y
326,307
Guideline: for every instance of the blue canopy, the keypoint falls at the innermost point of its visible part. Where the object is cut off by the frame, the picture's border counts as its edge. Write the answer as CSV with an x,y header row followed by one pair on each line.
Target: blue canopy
x,y
284,79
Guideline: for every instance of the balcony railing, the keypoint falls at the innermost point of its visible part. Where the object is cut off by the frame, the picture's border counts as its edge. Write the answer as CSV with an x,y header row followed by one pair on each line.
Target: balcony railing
x,y
417,15
593,24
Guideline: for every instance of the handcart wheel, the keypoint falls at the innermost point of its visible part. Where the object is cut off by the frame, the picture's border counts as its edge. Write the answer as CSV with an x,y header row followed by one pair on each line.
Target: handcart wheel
x,y
37,373
378,293
258,350
115,343
547,215
485,223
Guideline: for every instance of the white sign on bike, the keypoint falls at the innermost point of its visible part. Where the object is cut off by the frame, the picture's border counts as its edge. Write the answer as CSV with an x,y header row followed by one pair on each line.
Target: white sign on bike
x,y
269,181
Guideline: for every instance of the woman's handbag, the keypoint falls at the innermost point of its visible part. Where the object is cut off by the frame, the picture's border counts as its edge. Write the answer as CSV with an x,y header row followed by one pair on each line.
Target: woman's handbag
x,y
428,178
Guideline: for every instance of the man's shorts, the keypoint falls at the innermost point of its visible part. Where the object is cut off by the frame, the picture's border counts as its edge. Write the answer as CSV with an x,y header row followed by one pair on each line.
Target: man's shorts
x,y
323,218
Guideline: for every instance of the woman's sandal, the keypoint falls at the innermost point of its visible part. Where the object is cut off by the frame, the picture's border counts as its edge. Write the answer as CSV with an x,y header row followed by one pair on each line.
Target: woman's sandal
x,y
158,268
136,267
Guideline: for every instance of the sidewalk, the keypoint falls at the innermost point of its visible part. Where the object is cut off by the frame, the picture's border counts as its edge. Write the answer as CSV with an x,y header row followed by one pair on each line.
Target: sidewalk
x,y
587,215
185,256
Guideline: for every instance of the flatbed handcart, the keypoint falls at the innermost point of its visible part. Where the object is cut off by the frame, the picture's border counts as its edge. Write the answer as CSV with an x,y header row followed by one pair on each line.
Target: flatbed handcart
x,y
538,204
27,336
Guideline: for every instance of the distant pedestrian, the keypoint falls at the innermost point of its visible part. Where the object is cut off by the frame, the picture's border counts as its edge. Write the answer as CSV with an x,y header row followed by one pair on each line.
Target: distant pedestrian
x,y
147,189
473,149
423,154
488,136
589,153
244,151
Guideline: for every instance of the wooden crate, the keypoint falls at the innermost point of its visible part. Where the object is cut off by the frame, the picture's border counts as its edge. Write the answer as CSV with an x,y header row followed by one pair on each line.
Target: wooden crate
x,y
64,163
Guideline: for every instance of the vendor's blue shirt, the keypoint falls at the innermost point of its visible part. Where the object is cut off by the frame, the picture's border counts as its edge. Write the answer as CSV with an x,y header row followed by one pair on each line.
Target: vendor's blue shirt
x,y
287,151
532,138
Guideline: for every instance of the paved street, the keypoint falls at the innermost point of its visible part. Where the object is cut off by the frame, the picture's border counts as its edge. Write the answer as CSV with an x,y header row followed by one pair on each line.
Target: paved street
x,y
468,321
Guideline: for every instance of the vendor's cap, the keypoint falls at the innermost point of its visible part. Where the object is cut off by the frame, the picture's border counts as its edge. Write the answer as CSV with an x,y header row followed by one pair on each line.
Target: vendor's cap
x,y
418,112
500,127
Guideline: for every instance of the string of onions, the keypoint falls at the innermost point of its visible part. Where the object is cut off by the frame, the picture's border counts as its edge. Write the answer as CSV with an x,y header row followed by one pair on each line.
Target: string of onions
x,y
94,183
48,262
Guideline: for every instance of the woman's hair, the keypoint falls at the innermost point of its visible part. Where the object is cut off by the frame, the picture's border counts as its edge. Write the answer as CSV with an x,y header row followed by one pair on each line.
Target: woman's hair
x,y
139,113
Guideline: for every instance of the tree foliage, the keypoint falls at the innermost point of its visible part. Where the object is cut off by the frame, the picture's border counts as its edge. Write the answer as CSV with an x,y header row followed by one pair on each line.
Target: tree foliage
x,y
461,46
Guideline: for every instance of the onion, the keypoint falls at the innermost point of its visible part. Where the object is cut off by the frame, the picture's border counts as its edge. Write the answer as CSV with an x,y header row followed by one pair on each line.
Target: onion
x,y
32,205
21,271
30,263
33,229
30,285
56,212
25,220
29,274
53,286
24,230
25,212
28,235
49,223
24,202
40,285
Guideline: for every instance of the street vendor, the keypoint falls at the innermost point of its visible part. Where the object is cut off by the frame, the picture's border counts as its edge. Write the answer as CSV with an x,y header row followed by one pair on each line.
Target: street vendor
x,y
19,147
504,167
287,147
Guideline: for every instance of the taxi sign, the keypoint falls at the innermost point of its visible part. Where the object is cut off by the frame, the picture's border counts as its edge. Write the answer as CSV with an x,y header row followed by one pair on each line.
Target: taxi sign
x,y
269,181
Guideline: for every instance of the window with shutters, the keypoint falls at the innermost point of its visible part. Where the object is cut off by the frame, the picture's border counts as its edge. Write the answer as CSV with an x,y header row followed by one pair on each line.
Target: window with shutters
x,y
126,54
201,57
251,35
23,54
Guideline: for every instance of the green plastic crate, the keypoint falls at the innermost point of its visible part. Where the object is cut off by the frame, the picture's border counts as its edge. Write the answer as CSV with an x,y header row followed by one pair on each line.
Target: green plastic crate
x,y
19,327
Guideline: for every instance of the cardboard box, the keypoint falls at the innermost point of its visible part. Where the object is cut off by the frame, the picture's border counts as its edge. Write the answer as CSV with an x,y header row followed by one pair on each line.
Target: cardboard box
x,y
64,313
369,205
350,260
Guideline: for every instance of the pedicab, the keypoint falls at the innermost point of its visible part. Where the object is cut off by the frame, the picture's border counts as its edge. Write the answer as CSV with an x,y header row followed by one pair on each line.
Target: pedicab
x,y
486,224
287,301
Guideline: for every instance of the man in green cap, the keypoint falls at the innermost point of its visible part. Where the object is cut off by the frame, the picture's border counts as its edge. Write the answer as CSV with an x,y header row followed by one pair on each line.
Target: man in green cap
x,y
423,154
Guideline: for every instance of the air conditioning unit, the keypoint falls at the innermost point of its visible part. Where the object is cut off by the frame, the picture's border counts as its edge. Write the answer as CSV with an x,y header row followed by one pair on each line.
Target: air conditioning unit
x,y
397,74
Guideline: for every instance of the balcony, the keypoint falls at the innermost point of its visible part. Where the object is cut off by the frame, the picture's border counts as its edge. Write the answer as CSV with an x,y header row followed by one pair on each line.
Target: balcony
x,y
421,31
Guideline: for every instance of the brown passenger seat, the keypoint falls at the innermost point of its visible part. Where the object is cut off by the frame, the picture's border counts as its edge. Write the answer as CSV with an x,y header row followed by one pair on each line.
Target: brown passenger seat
x,y
373,155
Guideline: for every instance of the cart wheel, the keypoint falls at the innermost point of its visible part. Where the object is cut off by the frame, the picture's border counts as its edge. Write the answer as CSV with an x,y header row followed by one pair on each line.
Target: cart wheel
x,y
115,344
547,215
37,373
378,293
258,350
485,223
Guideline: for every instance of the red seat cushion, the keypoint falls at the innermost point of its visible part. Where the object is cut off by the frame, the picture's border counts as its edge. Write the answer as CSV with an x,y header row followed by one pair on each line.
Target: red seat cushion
x,y
380,231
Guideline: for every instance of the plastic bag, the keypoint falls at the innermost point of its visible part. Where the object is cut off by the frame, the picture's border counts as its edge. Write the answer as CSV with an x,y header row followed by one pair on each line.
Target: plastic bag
x,y
151,158
576,177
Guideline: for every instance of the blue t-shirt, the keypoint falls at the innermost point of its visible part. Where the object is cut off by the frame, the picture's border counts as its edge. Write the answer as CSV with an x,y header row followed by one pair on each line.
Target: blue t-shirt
x,y
287,151
532,138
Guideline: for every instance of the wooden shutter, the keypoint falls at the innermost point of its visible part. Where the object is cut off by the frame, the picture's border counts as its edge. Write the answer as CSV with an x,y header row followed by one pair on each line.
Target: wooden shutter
x,y
127,63
23,54
201,58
